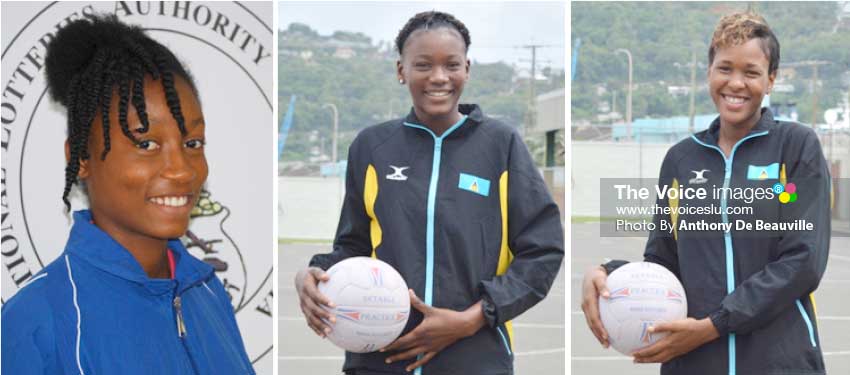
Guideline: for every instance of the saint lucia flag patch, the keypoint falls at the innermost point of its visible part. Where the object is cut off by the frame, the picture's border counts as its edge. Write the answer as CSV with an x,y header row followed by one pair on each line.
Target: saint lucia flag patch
x,y
474,184
767,172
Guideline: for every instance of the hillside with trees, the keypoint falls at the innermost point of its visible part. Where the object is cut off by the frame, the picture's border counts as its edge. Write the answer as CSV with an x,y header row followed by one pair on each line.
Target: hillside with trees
x,y
662,37
358,76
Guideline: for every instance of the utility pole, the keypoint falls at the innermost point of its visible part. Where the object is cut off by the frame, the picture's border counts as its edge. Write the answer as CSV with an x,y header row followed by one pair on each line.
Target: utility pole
x,y
613,102
628,95
814,64
532,108
814,96
531,113
692,105
335,134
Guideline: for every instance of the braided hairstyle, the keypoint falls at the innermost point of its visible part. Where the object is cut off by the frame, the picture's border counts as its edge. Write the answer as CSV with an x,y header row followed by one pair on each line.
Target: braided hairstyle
x,y
87,61
431,20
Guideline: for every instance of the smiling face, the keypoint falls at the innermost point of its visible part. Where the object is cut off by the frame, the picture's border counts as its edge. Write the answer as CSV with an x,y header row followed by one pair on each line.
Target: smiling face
x,y
435,67
738,79
145,191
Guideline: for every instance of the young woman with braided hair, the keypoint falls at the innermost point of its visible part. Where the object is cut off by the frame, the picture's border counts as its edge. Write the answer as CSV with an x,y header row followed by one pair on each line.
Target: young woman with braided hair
x,y
125,297
467,221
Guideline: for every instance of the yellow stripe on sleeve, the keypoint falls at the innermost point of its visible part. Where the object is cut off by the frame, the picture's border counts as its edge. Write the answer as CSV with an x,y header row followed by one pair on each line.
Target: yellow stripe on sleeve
x,y
509,325
505,254
370,195
674,213
814,305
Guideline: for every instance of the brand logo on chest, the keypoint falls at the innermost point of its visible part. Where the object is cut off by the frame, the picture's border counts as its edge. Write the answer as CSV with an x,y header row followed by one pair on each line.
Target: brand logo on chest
x,y
699,178
398,173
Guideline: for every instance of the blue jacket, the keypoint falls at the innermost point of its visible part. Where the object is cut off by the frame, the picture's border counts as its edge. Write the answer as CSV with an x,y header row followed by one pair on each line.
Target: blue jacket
x,y
93,310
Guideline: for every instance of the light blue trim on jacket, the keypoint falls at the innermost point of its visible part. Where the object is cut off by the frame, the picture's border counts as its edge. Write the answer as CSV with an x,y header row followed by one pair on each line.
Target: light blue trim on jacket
x,y
504,340
432,202
727,236
808,323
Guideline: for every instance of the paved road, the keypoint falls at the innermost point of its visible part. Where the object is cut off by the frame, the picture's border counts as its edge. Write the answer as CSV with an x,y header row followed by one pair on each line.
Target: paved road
x,y
588,357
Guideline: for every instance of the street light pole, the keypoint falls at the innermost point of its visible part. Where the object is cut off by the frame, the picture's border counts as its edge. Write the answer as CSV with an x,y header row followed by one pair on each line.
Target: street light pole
x,y
628,95
335,136
814,96
692,104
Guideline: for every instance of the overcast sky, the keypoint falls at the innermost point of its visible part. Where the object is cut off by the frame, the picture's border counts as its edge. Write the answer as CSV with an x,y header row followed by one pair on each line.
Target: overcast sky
x,y
496,29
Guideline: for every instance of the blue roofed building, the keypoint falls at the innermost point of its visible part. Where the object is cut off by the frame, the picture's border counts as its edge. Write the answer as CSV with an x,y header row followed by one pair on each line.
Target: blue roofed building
x,y
673,129
660,130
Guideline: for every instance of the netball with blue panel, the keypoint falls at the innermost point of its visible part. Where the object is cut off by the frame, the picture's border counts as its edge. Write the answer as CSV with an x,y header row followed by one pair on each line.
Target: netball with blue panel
x,y
372,304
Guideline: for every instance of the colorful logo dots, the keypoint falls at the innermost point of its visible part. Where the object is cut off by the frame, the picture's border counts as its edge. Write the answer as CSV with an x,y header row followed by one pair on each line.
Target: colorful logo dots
x,y
787,193
791,188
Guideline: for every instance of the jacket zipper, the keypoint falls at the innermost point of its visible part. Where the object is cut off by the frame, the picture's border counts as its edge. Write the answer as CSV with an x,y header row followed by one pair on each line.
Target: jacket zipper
x,y
177,304
727,236
178,308
431,212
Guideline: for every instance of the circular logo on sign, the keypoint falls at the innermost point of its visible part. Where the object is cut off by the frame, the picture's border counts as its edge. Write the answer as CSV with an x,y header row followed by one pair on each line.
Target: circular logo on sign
x,y
228,49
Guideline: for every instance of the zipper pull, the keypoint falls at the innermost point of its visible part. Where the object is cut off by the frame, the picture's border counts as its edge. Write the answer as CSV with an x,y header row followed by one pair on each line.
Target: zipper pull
x,y
181,327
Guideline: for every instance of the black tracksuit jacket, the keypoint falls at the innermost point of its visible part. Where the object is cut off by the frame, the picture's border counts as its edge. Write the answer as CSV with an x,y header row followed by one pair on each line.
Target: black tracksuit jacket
x,y
755,286
463,217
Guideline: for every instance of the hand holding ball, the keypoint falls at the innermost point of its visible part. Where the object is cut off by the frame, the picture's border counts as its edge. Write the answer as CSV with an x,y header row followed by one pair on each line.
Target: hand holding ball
x,y
641,294
371,304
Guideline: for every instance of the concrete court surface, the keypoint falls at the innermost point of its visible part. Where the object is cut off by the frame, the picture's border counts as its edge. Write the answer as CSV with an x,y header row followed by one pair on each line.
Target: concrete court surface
x,y
538,334
588,357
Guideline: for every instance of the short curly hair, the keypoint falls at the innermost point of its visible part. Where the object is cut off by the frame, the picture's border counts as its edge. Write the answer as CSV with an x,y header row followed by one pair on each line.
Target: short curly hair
x,y
738,28
429,20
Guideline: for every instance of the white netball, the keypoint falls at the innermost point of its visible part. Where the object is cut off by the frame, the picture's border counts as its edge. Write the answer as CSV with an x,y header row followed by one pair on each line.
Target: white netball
x,y
372,304
642,294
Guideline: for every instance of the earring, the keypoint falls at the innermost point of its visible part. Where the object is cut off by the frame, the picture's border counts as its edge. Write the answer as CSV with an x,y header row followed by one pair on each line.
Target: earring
x,y
401,81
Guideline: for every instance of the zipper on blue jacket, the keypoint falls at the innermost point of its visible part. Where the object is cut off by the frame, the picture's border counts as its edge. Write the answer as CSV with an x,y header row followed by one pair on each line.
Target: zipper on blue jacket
x,y
178,309
177,303
432,202
727,236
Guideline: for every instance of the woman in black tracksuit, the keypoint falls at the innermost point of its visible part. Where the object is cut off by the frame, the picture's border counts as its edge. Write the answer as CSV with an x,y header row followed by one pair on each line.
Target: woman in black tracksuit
x,y
452,200
748,289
